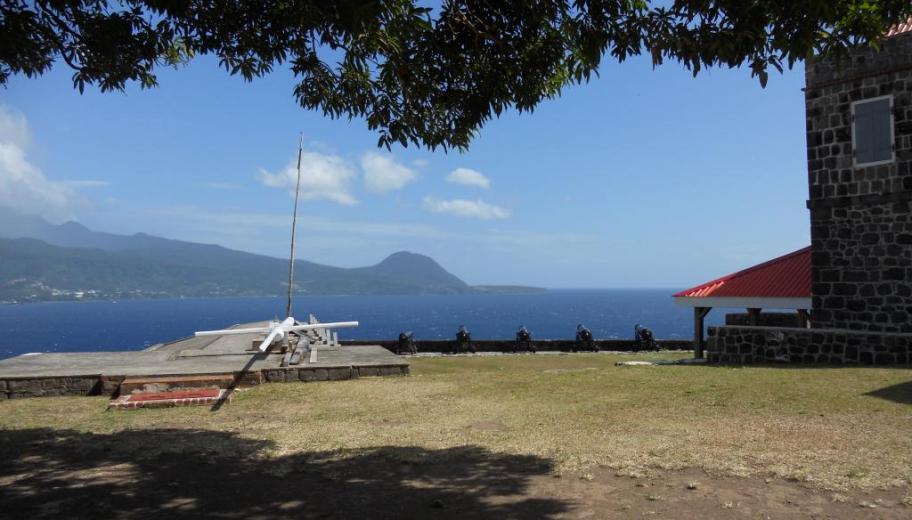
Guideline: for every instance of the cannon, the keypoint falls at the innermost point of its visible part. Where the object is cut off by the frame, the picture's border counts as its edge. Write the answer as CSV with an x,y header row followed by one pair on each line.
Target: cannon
x,y
643,339
464,340
406,343
523,340
278,332
584,340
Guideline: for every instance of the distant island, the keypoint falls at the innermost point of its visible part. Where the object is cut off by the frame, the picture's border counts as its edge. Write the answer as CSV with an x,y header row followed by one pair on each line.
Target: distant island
x,y
40,261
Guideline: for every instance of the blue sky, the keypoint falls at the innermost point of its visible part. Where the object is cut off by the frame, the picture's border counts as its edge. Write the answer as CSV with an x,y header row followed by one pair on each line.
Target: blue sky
x,y
642,178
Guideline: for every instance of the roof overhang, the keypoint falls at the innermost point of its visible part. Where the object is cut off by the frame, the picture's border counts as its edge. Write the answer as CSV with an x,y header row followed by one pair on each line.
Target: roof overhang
x,y
743,302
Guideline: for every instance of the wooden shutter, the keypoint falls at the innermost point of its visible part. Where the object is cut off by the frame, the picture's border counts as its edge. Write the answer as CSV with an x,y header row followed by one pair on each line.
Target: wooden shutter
x,y
873,131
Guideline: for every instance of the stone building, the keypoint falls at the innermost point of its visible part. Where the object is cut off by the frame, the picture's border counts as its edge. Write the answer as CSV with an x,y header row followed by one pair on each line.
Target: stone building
x,y
859,143
859,151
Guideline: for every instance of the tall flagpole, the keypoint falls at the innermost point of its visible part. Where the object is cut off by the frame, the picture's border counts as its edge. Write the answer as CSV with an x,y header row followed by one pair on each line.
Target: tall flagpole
x,y
294,223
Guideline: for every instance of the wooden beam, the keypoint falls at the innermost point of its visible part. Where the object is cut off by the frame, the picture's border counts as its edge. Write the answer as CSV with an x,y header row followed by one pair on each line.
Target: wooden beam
x,y
804,318
699,314
753,316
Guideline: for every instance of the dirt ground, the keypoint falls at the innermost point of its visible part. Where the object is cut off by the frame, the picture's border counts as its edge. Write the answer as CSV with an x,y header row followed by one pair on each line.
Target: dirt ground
x,y
68,474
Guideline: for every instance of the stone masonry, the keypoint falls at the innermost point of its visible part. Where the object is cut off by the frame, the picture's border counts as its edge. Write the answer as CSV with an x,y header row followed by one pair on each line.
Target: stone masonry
x,y
742,345
861,219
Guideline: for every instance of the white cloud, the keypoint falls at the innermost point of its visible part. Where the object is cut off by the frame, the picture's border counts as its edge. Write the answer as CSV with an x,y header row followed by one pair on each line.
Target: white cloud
x,y
323,177
465,208
383,174
23,186
234,219
14,128
469,177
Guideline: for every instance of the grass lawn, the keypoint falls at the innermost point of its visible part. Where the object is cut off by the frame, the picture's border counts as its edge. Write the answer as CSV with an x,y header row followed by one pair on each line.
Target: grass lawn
x,y
837,428
485,437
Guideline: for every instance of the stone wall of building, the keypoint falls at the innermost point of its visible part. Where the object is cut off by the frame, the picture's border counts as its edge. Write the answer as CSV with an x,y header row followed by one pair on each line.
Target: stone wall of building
x,y
743,345
861,219
861,277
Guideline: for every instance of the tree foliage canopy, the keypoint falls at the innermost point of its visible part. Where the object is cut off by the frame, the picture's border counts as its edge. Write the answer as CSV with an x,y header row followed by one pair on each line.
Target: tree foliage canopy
x,y
428,76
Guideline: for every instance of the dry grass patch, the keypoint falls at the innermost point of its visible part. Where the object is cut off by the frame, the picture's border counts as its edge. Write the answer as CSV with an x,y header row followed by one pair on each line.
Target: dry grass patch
x,y
814,425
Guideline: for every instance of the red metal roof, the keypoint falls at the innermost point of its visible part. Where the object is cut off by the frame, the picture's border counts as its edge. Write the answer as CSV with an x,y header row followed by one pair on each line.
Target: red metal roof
x,y
788,276
900,28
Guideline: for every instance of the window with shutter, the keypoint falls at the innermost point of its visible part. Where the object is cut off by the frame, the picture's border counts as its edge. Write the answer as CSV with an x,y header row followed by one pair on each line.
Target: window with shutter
x,y
872,131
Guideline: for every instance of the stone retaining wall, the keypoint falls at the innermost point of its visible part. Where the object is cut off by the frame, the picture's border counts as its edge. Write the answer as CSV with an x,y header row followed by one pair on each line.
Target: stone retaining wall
x,y
49,386
498,345
292,374
743,345
13,388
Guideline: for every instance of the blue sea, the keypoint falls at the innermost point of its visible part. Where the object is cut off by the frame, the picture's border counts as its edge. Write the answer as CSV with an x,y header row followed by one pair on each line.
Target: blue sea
x,y
136,324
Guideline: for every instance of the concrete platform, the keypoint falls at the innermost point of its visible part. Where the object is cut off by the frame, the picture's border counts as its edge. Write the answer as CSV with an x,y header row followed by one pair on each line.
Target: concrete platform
x,y
100,373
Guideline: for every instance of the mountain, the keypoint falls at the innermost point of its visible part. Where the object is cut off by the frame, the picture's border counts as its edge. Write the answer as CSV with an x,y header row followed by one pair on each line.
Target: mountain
x,y
420,269
69,234
41,261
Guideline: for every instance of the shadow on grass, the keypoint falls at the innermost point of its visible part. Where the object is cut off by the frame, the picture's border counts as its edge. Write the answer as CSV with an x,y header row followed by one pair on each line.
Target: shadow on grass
x,y
47,473
898,393
806,366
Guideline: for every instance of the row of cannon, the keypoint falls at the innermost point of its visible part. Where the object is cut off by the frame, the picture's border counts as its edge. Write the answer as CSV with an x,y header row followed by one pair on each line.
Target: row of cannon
x,y
643,340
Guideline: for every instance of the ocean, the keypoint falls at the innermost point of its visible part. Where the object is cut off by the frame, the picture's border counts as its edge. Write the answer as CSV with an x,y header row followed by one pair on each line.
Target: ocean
x,y
137,324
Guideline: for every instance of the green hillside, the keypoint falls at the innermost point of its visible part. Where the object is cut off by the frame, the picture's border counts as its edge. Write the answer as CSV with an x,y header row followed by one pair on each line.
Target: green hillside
x,y
32,270
40,261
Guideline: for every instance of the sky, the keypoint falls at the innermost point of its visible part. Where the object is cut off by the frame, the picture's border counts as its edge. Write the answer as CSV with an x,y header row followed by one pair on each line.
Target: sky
x,y
641,178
